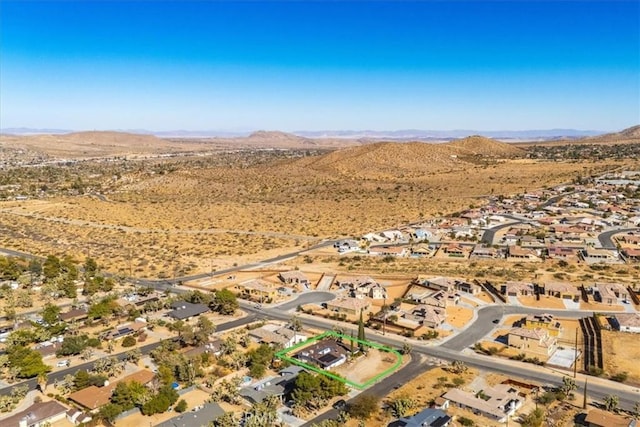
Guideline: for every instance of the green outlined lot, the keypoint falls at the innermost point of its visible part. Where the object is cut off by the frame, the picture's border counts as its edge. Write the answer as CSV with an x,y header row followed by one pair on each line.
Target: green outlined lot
x,y
286,355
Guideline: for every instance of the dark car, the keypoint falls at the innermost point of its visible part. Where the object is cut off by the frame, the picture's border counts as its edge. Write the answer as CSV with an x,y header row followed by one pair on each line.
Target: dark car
x,y
340,405
496,321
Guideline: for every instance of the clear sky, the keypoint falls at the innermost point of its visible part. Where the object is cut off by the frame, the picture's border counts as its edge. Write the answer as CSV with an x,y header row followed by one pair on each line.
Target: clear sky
x,y
296,65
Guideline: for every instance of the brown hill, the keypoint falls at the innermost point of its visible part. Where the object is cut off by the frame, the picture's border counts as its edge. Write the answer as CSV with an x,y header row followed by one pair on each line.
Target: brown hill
x,y
486,147
276,139
626,136
387,159
629,135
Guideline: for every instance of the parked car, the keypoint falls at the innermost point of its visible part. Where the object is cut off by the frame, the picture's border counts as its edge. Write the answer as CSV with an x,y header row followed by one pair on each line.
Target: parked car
x,y
340,405
63,363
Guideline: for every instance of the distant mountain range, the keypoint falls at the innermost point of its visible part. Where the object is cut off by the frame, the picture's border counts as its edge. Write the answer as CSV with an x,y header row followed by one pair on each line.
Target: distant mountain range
x,y
396,135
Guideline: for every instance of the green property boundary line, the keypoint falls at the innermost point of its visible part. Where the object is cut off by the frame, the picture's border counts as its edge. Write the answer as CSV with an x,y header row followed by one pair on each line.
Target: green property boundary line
x,y
283,354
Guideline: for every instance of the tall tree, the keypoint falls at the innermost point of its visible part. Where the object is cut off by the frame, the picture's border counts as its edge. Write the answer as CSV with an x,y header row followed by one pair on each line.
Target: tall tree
x,y
224,302
361,335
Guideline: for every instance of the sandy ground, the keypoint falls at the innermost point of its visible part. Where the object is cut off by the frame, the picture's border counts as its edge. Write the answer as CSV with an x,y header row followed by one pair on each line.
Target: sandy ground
x,y
363,369
595,306
545,302
621,354
459,316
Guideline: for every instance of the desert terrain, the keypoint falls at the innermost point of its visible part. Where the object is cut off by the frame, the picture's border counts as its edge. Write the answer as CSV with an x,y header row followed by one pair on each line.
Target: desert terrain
x,y
177,215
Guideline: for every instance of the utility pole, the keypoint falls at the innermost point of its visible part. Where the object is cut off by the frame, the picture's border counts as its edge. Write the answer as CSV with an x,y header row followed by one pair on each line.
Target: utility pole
x,y
575,357
384,316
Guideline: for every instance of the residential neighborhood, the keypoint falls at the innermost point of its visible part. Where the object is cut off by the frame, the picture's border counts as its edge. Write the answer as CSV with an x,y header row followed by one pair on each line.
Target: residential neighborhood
x,y
128,354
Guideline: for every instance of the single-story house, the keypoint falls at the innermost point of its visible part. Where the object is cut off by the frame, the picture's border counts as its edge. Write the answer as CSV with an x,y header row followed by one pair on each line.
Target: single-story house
x,y
276,335
627,322
78,417
37,415
609,293
592,255
295,277
427,315
496,403
93,397
517,289
484,252
562,290
429,417
600,418
398,251
522,254
200,415
326,354
349,305
74,315
273,386
123,330
183,310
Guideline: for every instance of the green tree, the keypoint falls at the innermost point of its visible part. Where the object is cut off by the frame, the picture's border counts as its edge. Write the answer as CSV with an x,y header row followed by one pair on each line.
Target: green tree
x,y
259,359
110,412
72,345
51,267
364,406
128,341
181,406
90,267
28,362
224,302
361,334
51,314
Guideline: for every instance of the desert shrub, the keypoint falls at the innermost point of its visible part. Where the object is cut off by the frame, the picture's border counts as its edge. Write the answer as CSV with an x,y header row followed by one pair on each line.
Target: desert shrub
x,y
620,377
181,406
128,341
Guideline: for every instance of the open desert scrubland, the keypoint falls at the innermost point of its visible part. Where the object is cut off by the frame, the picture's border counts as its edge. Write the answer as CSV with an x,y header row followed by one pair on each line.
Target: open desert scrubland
x,y
197,217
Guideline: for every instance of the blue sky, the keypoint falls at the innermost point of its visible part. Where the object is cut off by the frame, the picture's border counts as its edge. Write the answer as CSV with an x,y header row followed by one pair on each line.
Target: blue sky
x,y
294,65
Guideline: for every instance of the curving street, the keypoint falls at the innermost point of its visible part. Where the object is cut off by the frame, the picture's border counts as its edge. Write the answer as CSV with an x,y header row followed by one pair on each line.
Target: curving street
x,y
454,348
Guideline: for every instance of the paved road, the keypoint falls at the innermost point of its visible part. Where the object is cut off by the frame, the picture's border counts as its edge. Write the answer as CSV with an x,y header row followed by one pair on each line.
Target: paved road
x,y
307,298
484,323
489,234
412,369
164,284
516,369
605,238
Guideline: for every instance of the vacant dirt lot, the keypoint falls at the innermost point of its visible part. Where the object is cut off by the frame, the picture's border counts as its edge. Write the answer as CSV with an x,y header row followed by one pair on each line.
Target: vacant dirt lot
x,y
364,368
622,352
